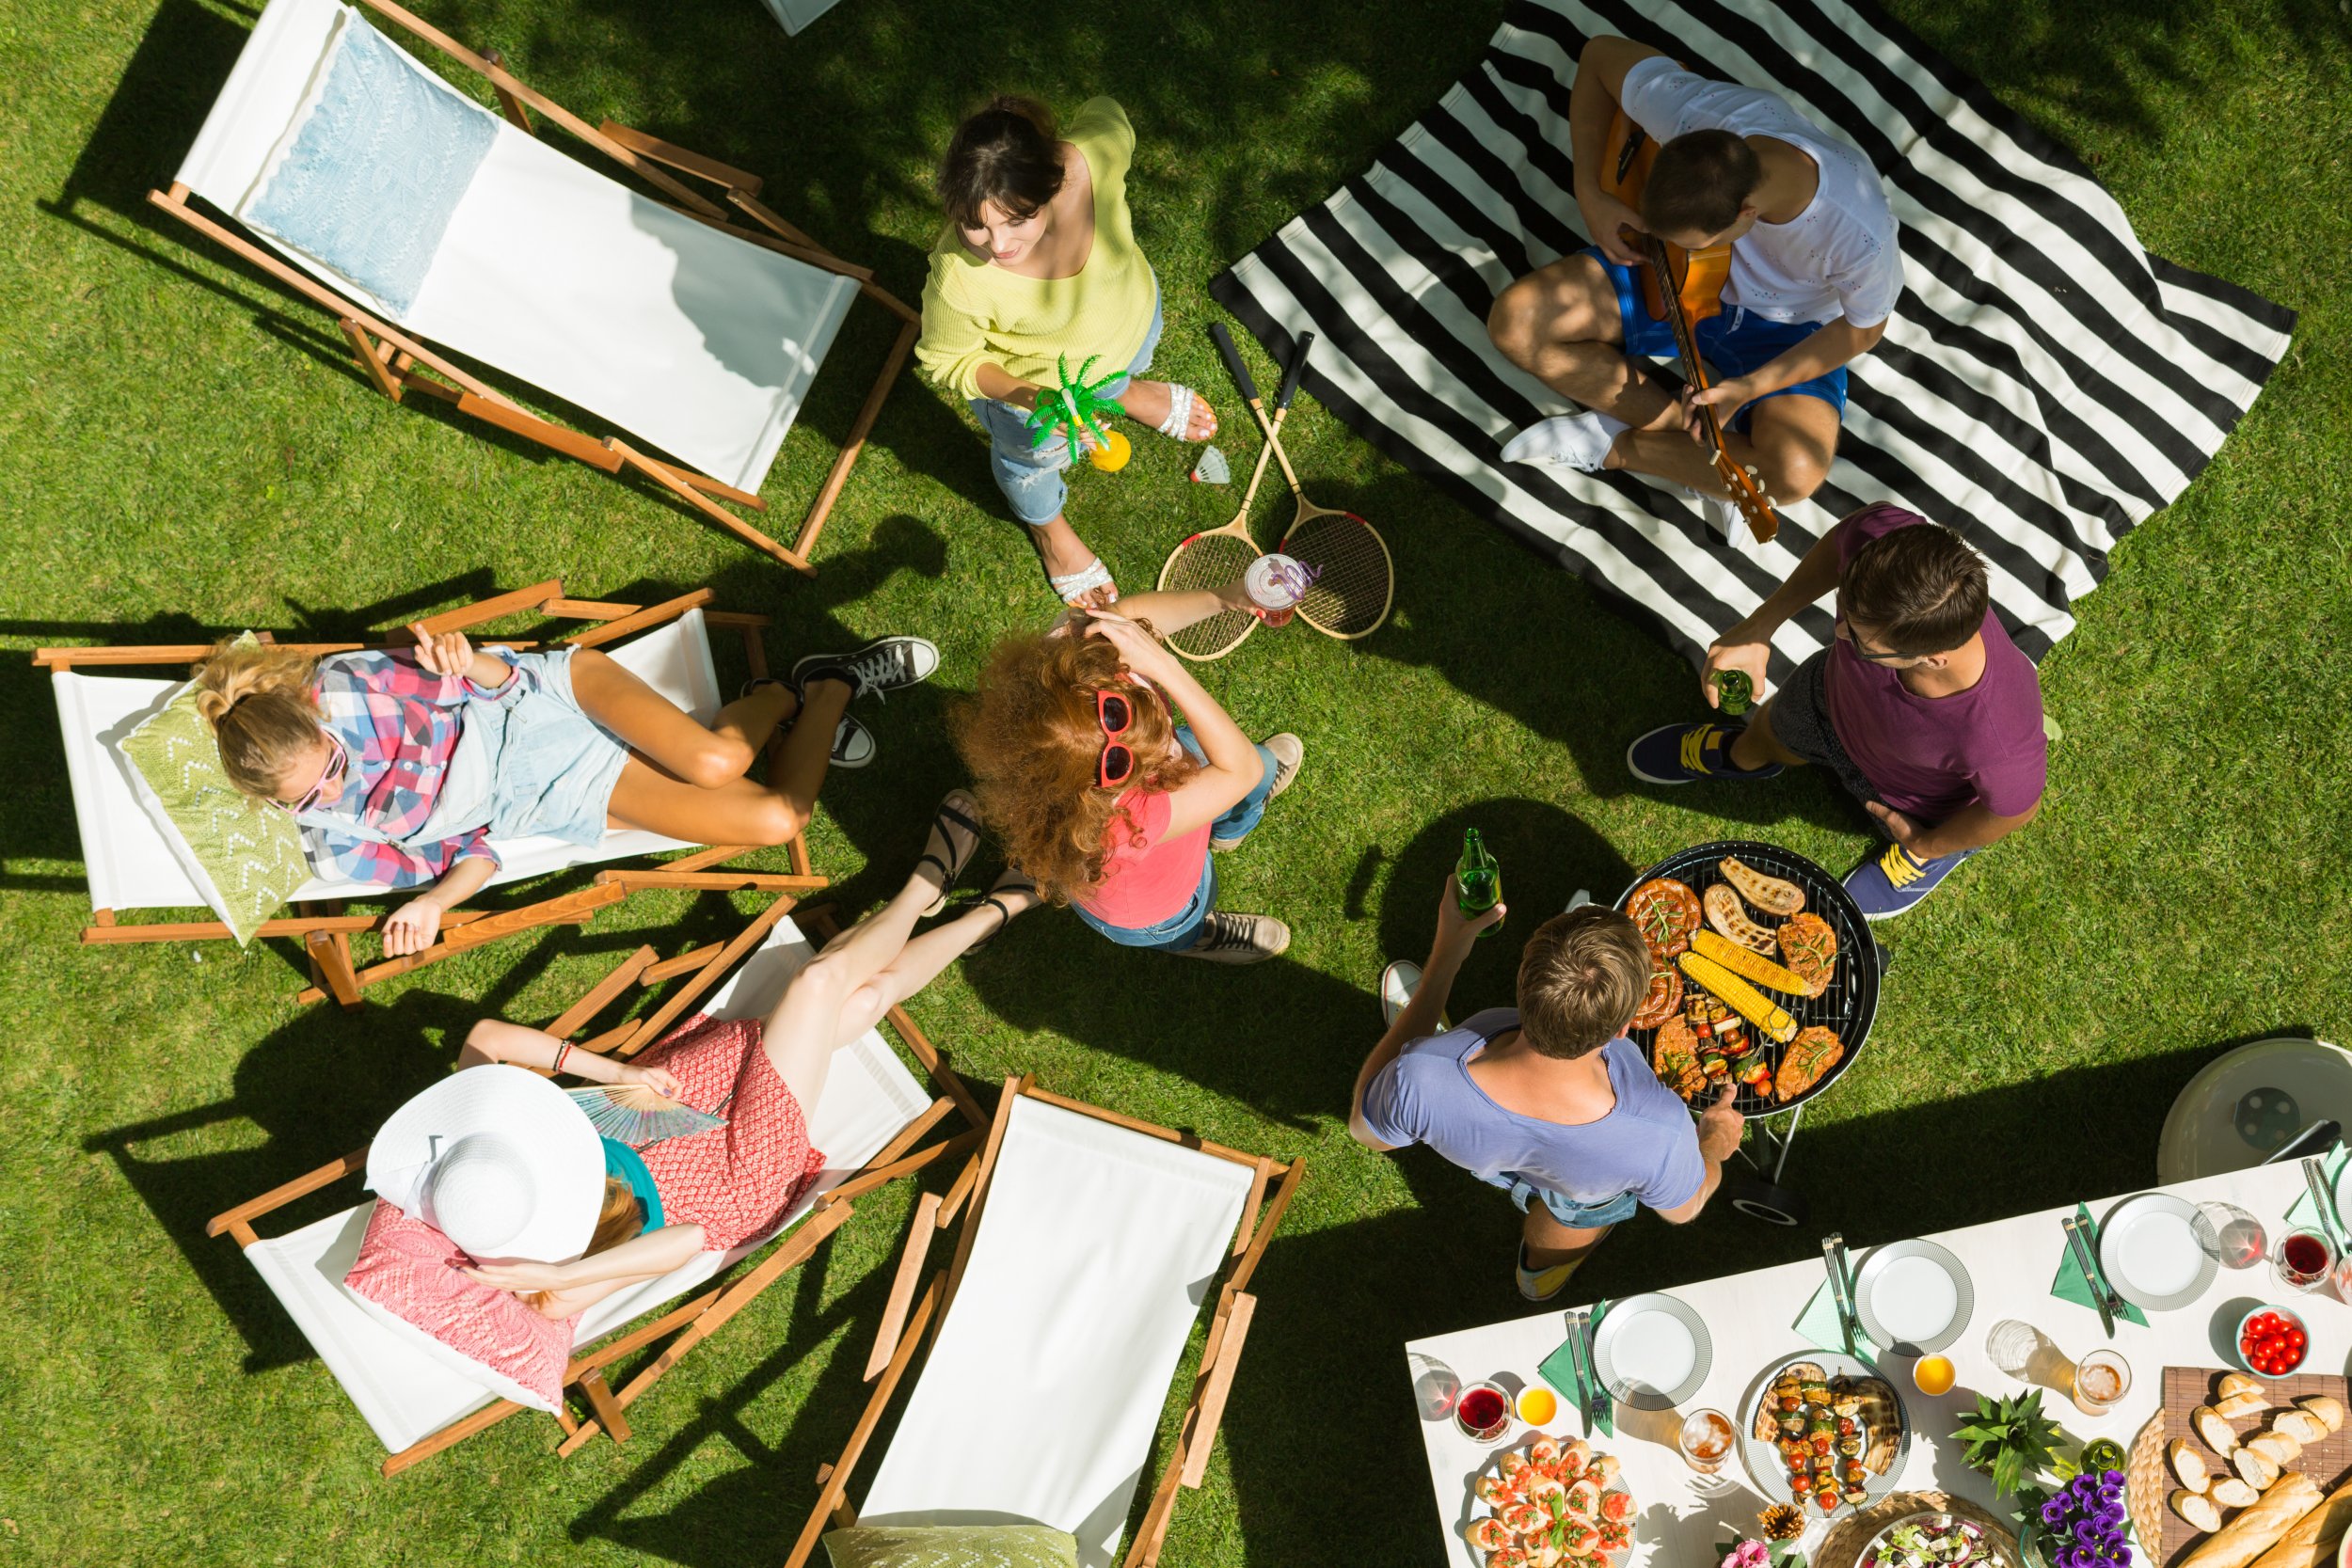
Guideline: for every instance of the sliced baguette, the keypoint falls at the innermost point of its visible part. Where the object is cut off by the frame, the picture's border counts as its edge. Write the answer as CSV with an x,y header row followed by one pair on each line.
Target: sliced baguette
x,y
2186,1465
2197,1509
2279,1446
2301,1425
2330,1412
2208,1424
2230,1492
2235,1405
2256,1469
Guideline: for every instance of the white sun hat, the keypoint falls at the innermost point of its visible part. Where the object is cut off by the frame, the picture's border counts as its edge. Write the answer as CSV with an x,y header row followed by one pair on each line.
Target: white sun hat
x,y
497,1159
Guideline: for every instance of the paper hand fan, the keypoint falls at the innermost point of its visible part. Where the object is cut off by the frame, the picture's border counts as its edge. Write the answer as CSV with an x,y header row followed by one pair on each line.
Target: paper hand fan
x,y
636,1115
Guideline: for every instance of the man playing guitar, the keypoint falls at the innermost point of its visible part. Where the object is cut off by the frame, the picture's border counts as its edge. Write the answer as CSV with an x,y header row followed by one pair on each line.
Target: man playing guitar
x,y
1815,272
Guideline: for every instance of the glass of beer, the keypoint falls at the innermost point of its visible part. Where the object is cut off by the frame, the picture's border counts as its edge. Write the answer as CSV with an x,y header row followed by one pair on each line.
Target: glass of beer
x,y
1705,1440
1483,1412
2101,1379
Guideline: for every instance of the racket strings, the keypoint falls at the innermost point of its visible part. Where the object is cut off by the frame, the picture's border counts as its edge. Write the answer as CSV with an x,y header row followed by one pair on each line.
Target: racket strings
x,y
1210,560
1354,577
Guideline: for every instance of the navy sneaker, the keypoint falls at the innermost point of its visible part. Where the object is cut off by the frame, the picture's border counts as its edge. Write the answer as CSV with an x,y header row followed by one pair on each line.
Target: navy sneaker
x,y
1892,880
1678,753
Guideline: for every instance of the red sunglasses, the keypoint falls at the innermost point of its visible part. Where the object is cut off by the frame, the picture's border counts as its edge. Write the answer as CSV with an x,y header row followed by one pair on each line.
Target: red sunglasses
x,y
1116,712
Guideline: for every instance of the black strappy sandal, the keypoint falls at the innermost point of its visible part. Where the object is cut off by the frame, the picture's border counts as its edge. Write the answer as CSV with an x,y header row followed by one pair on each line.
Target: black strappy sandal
x,y
1011,882
951,812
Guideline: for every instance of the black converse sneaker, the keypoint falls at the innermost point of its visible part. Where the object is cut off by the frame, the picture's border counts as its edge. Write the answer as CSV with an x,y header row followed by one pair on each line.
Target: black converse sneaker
x,y
1238,939
885,664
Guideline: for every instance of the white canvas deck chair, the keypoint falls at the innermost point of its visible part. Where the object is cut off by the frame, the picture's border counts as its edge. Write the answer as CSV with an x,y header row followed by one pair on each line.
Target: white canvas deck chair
x,y
873,1115
695,334
1089,1243
132,866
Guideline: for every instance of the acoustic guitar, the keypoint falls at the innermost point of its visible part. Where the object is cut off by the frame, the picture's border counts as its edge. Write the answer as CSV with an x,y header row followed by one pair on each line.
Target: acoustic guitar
x,y
1681,288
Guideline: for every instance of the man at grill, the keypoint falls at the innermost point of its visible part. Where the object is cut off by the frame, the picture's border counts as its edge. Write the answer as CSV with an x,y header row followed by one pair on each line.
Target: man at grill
x,y
1815,274
1547,1098
1922,706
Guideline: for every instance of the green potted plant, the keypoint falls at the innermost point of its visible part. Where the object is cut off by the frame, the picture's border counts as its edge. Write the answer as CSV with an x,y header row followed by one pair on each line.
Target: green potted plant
x,y
2011,1441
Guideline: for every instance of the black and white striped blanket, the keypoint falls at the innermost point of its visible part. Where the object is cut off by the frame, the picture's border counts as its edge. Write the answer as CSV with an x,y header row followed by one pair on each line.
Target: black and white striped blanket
x,y
2044,383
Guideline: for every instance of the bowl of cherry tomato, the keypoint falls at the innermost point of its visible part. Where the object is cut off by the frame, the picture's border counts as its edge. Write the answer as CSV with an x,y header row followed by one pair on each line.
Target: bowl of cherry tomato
x,y
2272,1341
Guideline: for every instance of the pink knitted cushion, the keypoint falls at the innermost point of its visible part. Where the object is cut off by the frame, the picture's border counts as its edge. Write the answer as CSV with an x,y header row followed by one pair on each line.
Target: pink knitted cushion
x,y
408,1271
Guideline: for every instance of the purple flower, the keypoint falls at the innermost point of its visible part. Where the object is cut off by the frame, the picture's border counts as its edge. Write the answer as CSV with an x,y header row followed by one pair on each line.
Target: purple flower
x,y
2054,1513
2111,1516
2083,1487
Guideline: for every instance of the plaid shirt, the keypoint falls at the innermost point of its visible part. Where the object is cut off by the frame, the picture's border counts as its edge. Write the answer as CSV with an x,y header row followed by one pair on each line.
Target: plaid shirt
x,y
399,723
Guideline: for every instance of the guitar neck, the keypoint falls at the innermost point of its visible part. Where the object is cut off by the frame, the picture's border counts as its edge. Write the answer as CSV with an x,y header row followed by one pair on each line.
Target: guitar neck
x,y
1685,345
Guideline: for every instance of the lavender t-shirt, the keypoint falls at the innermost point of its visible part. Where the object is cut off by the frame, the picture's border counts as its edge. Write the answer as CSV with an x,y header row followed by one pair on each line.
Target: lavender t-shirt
x,y
1646,1145
1930,757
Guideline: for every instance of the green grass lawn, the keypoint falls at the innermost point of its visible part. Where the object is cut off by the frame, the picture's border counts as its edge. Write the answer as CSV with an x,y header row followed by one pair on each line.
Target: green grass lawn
x,y
186,450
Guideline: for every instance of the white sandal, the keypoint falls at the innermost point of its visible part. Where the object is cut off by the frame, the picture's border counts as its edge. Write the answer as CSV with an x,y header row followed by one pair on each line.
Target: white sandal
x,y
1179,420
1073,586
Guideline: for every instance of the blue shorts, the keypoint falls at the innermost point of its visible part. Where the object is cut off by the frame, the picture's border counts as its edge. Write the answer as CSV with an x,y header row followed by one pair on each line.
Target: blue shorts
x,y
555,767
1030,476
1567,1210
1733,342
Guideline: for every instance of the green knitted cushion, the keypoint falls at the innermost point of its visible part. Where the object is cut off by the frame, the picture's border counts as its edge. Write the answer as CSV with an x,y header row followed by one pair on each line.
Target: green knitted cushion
x,y
951,1547
243,855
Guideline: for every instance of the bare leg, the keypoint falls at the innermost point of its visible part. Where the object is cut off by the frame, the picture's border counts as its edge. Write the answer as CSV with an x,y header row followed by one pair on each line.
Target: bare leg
x,y
1559,324
1790,447
1757,745
1148,402
1550,1244
670,736
1064,552
738,809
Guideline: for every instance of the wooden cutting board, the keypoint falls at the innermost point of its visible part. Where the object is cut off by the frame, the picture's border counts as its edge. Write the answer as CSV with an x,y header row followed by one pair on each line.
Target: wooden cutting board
x,y
2330,1463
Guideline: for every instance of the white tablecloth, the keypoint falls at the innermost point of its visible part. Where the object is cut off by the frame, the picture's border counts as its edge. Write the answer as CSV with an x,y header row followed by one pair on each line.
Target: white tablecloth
x,y
1749,1317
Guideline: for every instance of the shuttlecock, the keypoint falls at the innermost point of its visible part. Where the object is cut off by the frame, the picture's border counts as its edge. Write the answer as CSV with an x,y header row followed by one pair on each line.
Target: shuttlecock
x,y
1211,469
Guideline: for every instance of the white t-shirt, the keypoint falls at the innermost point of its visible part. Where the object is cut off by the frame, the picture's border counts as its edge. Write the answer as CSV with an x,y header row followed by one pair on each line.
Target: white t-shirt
x,y
1839,256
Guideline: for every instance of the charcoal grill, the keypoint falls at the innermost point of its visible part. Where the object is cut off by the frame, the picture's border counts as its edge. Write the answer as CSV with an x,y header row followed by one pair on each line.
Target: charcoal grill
x,y
1847,1005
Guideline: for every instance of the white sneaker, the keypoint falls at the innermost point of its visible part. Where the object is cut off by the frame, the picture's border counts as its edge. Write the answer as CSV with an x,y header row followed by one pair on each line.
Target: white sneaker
x,y
1579,441
1397,984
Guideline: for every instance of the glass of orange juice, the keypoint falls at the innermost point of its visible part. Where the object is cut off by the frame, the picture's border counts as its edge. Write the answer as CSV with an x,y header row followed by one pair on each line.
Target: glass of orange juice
x,y
1934,1374
1537,1404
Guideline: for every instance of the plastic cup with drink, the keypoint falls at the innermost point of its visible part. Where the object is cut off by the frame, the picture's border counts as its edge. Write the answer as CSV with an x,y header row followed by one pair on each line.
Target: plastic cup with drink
x,y
1483,1412
2101,1379
2304,1260
1276,584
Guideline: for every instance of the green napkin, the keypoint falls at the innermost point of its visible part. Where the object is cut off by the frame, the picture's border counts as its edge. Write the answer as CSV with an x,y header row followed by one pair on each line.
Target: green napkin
x,y
1559,1371
2070,1285
2302,1212
1818,1327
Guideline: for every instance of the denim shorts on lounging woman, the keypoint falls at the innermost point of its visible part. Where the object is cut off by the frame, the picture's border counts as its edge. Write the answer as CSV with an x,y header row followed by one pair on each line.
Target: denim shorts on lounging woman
x,y
1575,1215
556,768
1030,477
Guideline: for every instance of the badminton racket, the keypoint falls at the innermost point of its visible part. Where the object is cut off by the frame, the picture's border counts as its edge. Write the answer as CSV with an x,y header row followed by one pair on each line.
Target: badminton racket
x,y
1217,557
1354,577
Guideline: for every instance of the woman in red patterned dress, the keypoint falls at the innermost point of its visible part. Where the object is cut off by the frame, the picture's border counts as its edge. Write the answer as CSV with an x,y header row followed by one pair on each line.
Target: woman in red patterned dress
x,y
717,1189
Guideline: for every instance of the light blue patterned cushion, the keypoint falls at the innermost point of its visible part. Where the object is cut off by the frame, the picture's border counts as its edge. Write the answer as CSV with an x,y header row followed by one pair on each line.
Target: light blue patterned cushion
x,y
368,187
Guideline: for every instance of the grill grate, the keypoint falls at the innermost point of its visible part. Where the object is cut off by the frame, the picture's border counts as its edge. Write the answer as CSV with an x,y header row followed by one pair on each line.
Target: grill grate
x,y
1851,1001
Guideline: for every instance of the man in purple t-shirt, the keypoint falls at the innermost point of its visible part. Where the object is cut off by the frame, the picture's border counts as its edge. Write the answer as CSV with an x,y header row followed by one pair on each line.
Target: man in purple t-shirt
x,y
1547,1100
1923,707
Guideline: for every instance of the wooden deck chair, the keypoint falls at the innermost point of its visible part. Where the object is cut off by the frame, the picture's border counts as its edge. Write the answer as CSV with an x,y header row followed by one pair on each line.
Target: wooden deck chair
x,y
1089,1243
693,332
873,1116
131,866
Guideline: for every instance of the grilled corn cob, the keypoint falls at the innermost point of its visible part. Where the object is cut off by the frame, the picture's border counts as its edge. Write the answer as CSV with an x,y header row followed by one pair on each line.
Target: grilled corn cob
x,y
1743,998
1751,965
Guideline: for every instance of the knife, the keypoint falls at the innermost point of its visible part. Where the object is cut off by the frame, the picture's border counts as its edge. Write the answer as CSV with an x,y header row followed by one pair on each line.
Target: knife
x,y
2315,1178
2090,1271
1602,1398
1576,1362
1833,1259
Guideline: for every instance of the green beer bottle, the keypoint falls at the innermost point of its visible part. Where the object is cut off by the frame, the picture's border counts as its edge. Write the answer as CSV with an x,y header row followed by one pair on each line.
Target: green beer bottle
x,y
1478,876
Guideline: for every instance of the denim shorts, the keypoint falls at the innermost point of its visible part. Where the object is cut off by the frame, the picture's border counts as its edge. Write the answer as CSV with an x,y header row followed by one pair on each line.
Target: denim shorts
x,y
1182,929
1030,477
1733,342
1575,1215
555,767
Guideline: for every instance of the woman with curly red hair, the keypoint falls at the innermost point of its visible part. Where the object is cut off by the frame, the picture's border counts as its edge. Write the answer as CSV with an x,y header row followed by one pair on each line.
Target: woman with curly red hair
x,y
1111,776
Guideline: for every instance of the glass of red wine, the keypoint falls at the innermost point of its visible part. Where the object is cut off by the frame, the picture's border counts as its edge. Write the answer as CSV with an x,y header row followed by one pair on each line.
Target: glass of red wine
x,y
2304,1259
1482,1411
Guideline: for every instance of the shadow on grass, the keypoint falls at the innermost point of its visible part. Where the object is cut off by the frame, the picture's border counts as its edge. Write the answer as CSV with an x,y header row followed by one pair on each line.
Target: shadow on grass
x,y
1337,1306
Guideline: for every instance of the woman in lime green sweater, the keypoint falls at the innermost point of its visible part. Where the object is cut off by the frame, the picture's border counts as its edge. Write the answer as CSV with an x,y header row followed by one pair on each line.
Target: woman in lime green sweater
x,y
1039,259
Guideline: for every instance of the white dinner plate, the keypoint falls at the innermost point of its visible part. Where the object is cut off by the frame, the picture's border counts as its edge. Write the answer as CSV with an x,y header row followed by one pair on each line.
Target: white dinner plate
x,y
1914,1297
2149,1251
1652,1352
